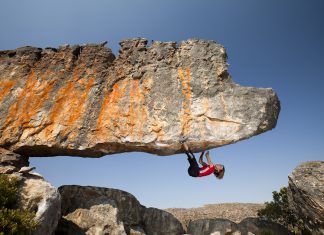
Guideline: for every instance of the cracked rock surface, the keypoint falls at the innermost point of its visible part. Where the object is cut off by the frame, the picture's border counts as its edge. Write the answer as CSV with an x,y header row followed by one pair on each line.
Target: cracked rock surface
x,y
85,101
306,195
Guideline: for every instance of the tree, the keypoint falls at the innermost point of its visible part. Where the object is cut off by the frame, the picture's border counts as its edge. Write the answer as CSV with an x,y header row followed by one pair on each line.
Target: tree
x,y
278,211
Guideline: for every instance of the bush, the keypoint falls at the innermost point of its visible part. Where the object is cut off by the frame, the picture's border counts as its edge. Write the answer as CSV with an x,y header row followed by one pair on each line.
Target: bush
x,y
13,221
278,211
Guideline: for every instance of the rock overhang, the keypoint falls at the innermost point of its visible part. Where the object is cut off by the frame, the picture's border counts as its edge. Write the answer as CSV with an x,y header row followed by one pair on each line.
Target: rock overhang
x,y
85,101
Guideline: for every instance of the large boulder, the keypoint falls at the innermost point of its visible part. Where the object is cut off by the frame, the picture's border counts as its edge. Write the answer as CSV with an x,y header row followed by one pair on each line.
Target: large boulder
x,y
306,195
38,195
227,227
34,193
95,210
158,222
81,100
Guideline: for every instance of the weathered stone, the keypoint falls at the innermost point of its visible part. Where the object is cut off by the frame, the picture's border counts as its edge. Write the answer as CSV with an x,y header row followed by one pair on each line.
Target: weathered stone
x,y
306,195
81,100
136,231
97,219
258,226
26,169
7,169
94,210
158,222
35,194
8,158
227,227
209,226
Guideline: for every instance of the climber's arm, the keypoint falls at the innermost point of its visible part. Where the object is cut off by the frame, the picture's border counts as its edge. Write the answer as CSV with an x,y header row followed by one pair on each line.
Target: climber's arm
x,y
208,159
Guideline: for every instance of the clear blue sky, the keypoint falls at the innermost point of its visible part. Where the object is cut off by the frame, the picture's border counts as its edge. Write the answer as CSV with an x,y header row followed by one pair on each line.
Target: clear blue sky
x,y
278,44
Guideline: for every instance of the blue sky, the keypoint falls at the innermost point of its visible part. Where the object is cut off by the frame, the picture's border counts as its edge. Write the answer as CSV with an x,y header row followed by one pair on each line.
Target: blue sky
x,y
278,44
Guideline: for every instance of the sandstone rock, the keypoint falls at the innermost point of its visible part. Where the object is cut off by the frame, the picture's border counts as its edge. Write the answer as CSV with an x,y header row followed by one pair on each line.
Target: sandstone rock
x,y
158,222
94,210
212,226
8,158
35,194
81,100
97,219
7,169
227,227
306,195
26,169
258,226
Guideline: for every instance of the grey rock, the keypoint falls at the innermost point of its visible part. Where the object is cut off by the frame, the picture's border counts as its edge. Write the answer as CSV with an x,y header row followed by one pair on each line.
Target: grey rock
x,y
39,196
258,226
209,226
227,227
306,195
81,100
158,222
26,169
8,158
7,169
97,219
95,210
34,193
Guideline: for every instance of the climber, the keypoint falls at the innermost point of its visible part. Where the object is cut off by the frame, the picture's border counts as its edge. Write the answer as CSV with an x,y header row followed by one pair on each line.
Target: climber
x,y
195,171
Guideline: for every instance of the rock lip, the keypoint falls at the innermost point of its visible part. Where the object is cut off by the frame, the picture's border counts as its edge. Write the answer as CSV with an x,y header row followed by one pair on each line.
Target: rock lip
x,y
306,194
81,100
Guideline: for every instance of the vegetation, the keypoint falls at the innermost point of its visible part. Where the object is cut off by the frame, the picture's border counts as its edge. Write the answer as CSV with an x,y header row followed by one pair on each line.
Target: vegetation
x,y
278,211
13,221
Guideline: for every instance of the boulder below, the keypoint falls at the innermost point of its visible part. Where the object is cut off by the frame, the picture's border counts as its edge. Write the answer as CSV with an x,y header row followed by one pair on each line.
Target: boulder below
x,y
83,101
227,227
95,210
35,194
306,195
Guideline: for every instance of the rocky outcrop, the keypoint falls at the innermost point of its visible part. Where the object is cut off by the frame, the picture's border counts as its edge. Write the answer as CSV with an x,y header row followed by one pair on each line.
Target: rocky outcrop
x,y
10,160
94,210
160,222
227,227
306,195
235,212
81,100
35,194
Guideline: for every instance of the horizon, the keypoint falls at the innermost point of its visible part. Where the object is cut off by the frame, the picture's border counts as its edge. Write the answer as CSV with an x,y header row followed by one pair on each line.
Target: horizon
x,y
269,44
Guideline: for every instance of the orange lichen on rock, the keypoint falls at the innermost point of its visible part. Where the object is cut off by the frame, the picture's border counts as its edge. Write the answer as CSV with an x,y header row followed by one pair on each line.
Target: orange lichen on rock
x,y
110,112
121,115
137,114
69,108
28,104
5,87
186,104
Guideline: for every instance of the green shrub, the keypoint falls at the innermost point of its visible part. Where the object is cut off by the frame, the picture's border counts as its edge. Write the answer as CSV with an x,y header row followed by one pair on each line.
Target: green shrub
x,y
13,221
278,211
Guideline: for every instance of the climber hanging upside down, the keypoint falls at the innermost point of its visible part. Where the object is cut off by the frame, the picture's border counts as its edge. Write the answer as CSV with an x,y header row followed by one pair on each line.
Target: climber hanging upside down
x,y
195,171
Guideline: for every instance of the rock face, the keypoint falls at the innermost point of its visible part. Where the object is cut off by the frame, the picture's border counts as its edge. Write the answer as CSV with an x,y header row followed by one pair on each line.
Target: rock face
x,y
227,227
35,194
306,195
235,212
81,100
94,210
